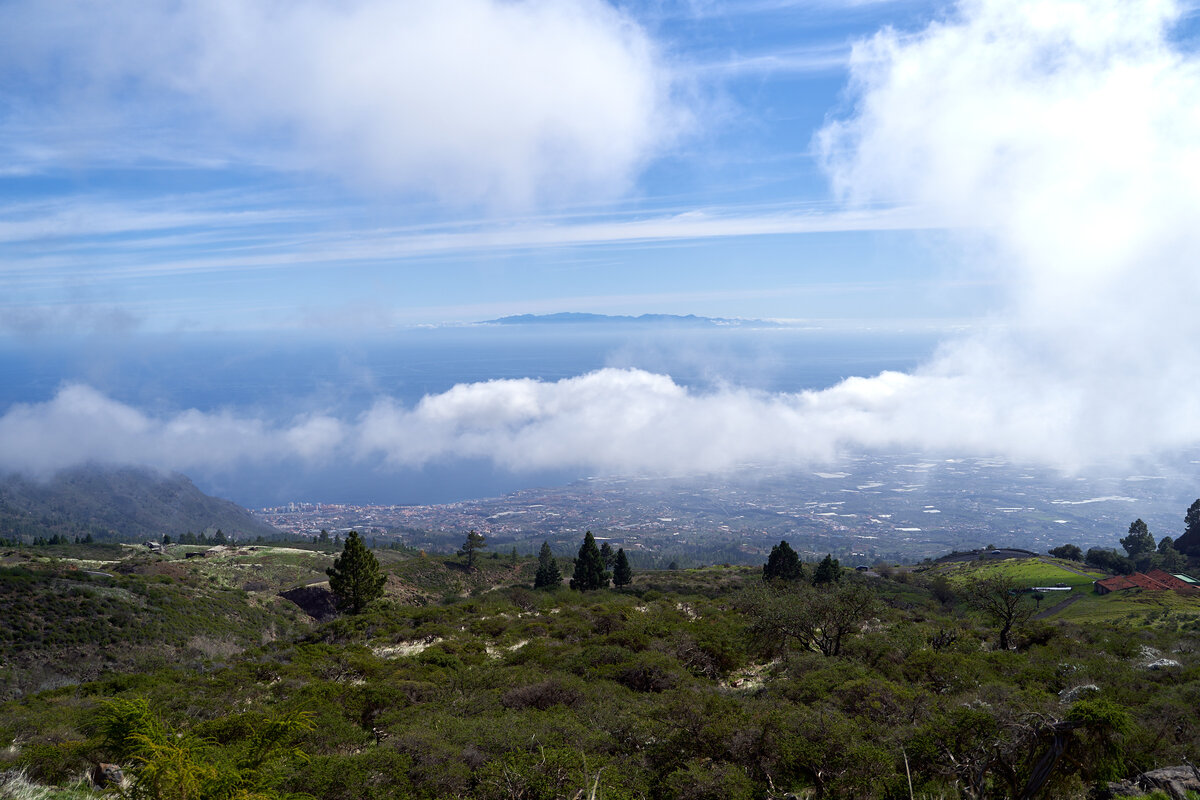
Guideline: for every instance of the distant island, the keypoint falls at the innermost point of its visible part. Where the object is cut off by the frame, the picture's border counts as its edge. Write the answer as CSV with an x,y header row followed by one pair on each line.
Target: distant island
x,y
675,320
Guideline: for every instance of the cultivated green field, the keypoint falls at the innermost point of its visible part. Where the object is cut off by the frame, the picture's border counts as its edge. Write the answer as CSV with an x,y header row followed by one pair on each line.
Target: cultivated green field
x,y
1133,605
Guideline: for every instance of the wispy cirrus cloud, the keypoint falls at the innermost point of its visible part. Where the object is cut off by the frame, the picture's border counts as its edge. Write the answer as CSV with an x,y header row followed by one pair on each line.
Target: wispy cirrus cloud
x,y
88,218
141,242
810,59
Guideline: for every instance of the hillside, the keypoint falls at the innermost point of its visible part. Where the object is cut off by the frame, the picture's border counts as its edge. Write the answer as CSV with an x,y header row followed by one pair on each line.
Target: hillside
x,y
701,683
117,503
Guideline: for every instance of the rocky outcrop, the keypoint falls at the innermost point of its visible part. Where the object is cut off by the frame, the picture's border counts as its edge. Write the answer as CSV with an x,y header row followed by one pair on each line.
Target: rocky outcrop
x,y
315,600
105,775
1176,782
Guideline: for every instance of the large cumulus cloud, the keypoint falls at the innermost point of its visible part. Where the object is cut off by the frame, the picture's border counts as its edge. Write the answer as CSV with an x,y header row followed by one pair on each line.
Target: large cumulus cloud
x,y
473,101
1061,141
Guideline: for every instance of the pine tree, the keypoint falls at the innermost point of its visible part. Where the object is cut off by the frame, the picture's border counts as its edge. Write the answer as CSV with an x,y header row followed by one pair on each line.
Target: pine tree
x,y
548,576
1189,542
355,577
622,572
607,555
1169,557
589,566
783,563
1139,539
474,541
828,571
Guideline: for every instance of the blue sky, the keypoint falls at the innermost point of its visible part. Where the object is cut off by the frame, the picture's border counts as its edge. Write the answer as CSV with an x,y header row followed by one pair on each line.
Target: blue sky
x,y
169,167
1021,175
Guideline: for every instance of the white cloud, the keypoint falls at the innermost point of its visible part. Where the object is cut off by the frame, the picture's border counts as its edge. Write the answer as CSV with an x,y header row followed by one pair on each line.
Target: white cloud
x,y
473,101
613,420
236,240
1064,133
82,425
617,420
814,58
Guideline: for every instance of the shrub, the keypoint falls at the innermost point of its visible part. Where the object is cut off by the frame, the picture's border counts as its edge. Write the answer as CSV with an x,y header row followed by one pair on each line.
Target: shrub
x,y
706,780
541,696
644,677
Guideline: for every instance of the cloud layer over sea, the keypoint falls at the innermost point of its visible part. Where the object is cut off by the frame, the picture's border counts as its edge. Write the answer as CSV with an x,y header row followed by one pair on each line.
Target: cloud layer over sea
x,y
1058,141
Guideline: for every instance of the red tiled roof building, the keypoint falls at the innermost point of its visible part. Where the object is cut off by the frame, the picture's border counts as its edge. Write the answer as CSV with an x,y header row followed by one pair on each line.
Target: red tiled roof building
x,y
1156,580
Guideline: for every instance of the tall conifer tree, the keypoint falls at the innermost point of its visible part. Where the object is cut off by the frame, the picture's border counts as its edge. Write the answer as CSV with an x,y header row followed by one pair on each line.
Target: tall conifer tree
x,y
1189,542
607,555
547,576
355,577
783,563
622,572
474,541
589,566
828,571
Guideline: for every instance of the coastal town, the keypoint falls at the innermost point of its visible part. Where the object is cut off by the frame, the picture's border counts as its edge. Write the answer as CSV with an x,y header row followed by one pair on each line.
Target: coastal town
x,y
867,510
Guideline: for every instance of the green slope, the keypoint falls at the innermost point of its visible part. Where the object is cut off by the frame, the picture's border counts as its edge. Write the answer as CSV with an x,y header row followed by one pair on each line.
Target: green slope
x,y
117,503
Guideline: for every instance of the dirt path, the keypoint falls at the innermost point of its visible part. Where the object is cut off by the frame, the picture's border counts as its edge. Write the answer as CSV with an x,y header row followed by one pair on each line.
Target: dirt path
x,y
1057,607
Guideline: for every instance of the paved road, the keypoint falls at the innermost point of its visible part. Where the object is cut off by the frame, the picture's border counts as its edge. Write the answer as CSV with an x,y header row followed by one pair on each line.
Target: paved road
x,y
1057,607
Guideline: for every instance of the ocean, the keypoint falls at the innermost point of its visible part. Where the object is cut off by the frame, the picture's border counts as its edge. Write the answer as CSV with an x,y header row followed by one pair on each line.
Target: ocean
x,y
279,377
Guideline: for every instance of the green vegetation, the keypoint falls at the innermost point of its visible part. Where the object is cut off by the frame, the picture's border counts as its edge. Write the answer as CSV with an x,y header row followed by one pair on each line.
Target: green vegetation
x,y
548,575
1169,557
1142,554
355,578
590,573
1189,542
1139,539
1000,599
474,542
818,618
828,571
111,503
242,761
1068,552
783,564
67,620
707,683
622,572
608,556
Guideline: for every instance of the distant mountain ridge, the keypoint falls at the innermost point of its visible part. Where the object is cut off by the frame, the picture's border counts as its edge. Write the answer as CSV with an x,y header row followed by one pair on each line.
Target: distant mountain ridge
x,y
574,318
117,503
